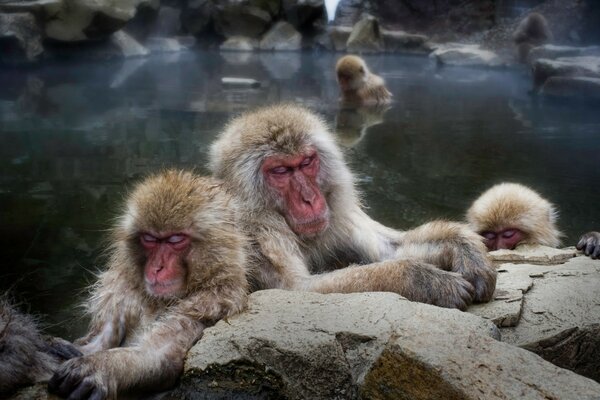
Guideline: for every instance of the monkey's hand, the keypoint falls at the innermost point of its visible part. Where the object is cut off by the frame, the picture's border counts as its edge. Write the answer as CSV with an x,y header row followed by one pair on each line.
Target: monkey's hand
x,y
589,243
61,348
440,288
453,246
82,378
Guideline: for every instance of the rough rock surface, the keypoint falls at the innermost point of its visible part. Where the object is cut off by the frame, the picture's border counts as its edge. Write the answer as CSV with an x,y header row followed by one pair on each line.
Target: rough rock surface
x,y
298,345
366,36
552,52
466,55
239,43
79,20
282,36
339,37
586,66
235,18
533,254
553,310
399,41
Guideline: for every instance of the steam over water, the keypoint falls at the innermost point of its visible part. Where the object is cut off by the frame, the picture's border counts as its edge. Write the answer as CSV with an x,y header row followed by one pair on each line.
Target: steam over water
x,y
74,136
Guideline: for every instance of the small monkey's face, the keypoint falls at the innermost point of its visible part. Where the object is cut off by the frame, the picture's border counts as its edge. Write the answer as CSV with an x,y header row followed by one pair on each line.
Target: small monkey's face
x,y
165,272
351,72
503,238
293,181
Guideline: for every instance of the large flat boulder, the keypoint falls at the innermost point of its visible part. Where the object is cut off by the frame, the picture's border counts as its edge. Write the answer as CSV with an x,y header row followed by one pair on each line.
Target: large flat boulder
x,y
552,310
281,36
552,51
583,88
465,55
544,68
404,42
296,345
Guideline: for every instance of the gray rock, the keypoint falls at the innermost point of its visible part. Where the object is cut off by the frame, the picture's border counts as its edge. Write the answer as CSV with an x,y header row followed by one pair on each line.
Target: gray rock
x,y
466,55
544,68
339,37
303,13
366,36
127,46
239,43
558,313
578,87
533,254
80,20
20,37
552,52
241,19
402,42
282,36
369,345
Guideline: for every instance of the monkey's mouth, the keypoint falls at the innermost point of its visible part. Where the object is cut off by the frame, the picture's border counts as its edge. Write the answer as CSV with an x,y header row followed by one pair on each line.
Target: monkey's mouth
x,y
164,289
312,228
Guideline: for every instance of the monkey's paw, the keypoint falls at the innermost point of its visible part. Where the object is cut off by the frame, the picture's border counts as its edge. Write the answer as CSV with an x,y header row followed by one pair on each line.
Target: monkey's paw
x,y
589,243
79,379
62,349
454,292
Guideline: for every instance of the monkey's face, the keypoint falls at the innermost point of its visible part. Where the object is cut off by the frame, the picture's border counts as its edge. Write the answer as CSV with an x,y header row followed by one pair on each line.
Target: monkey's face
x,y
351,77
503,238
165,273
293,182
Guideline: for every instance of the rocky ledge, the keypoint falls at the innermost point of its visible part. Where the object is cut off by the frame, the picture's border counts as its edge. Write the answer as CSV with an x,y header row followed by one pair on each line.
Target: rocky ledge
x,y
297,345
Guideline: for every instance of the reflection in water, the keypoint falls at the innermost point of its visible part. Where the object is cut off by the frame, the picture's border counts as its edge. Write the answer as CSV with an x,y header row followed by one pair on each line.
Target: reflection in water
x,y
76,135
352,124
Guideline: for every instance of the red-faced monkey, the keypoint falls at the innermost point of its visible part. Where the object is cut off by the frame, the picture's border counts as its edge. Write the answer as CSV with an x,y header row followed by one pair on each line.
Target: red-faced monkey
x,y
358,85
509,214
177,265
27,356
302,211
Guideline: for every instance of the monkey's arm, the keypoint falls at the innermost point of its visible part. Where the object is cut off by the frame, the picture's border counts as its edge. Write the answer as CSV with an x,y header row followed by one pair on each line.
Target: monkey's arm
x,y
416,281
115,305
452,247
155,360
589,243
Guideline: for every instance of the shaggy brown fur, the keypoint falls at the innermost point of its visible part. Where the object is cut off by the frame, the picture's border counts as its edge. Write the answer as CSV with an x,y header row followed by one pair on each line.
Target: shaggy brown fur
x,y
360,86
531,32
510,205
149,335
441,263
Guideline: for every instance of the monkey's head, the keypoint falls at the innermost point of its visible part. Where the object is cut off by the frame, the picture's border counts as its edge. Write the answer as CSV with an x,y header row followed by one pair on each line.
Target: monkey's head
x,y
174,222
283,159
509,214
351,72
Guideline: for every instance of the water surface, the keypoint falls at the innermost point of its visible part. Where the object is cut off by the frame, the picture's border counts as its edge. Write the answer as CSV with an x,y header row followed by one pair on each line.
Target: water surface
x,y
75,136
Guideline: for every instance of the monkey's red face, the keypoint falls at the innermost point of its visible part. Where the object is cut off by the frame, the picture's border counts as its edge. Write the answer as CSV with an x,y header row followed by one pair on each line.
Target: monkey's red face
x,y
164,271
293,179
503,239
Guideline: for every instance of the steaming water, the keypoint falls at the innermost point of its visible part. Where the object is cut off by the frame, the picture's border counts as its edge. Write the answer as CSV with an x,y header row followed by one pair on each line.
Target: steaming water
x,y
74,137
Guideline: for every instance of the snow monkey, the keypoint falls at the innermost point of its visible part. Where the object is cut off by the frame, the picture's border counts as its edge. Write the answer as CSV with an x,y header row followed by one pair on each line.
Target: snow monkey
x,y
27,356
531,32
300,207
509,214
176,266
359,86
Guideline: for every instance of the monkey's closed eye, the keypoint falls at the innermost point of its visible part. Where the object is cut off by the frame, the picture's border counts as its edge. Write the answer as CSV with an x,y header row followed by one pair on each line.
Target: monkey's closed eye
x,y
488,235
279,170
176,239
148,238
306,162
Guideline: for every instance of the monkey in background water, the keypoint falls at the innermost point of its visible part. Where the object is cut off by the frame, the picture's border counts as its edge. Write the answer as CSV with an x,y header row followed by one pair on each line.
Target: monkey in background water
x,y
358,85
